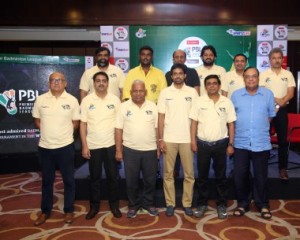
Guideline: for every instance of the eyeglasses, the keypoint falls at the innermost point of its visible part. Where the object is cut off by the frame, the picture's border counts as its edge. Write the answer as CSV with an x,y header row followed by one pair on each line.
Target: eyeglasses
x,y
250,76
56,80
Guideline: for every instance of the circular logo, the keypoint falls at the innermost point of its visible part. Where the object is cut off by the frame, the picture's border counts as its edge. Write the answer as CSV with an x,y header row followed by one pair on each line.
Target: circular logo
x,y
264,48
192,47
281,32
121,33
123,64
107,45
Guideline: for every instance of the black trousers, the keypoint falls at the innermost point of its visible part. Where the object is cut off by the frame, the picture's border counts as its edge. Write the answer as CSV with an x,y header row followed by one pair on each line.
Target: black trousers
x,y
280,123
244,185
217,153
99,157
135,162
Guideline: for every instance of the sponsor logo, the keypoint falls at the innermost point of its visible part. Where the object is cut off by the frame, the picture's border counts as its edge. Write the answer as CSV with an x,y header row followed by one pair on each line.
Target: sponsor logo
x,y
122,49
107,45
284,79
123,64
141,33
281,32
92,107
153,88
222,109
231,82
264,33
128,113
121,33
265,64
8,100
188,99
192,47
110,106
149,112
268,80
264,48
71,60
238,33
66,107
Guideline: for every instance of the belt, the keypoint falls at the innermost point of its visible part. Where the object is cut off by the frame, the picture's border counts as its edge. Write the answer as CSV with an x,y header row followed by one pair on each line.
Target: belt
x,y
212,143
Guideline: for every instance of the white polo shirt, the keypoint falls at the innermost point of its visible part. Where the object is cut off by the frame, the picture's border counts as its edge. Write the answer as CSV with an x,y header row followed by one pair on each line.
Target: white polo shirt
x,y
231,82
203,72
176,104
212,117
278,84
116,79
100,116
56,116
138,124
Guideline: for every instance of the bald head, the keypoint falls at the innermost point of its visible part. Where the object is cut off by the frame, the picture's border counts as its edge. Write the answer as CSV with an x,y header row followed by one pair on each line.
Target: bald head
x,y
179,56
138,92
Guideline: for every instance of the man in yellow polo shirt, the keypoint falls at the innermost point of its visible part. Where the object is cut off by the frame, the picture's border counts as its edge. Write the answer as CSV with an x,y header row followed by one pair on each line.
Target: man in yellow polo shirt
x,y
153,77
212,134
174,104
115,74
208,56
282,83
56,114
136,144
97,132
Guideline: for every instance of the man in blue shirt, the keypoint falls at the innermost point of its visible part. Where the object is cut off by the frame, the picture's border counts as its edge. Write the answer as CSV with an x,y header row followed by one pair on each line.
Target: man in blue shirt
x,y
255,107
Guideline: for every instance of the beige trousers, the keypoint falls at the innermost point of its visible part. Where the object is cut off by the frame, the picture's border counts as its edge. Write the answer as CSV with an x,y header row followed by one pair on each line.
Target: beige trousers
x,y
187,162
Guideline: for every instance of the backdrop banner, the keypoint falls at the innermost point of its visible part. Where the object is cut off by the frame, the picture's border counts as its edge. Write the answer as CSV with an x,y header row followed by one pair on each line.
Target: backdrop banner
x,y
228,41
22,79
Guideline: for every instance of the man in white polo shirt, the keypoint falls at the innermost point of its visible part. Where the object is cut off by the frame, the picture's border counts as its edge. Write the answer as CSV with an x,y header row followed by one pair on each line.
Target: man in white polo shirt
x,y
212,134
208,56
115,74
97,132
56,114
282,83
233,80
136,144
174,104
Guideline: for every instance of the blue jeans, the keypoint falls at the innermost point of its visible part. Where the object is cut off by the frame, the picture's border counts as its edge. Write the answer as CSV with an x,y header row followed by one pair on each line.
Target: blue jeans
x,y
63,158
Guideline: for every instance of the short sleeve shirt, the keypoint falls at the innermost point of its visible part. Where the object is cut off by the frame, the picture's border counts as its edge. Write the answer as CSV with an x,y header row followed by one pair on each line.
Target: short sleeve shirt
x,y
56,116
116,79
139,125
155,81
278,84
212,117
231,82
100,116
203,72
175,104
253,113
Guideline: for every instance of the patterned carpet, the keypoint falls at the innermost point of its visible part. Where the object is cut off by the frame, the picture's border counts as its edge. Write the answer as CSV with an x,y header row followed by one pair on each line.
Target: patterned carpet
x,y
20,200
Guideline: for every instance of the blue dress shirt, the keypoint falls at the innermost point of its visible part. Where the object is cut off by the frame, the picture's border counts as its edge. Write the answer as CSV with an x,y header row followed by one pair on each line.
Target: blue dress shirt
x,y
253,113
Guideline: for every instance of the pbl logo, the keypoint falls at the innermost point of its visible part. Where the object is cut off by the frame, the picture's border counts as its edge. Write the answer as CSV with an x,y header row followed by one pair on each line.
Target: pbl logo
x,y
8,100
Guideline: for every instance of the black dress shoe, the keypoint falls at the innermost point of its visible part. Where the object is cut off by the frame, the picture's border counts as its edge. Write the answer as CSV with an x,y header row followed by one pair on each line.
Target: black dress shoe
x,y
91,214
116,212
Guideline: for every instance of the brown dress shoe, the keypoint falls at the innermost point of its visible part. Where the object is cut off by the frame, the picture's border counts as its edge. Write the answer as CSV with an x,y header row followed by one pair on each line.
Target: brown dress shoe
x,y
283,174
69,217
41,219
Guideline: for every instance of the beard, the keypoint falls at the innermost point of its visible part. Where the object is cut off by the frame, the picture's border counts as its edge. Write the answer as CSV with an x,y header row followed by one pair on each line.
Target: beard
x,y
102,63
208,63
